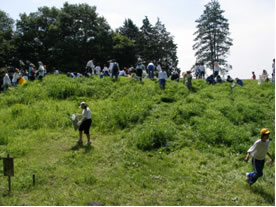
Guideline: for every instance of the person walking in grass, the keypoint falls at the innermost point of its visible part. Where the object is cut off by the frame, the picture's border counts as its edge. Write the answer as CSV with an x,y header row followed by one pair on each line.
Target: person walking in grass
x,y
115,70
188,79
15,77
41,71
139,69
85,123
253,76
273,70
216,69
258,150
6,81
202,71
162,76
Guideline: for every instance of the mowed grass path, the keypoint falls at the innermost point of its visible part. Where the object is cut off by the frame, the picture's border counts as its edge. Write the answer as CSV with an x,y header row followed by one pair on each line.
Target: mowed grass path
x,y
114,172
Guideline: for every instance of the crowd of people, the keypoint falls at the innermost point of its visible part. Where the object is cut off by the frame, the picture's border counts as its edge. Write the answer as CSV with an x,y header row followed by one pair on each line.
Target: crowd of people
x,y
139,71
21,76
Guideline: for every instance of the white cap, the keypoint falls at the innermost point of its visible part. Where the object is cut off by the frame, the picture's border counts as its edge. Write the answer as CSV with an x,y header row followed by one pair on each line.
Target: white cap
x,y
82,103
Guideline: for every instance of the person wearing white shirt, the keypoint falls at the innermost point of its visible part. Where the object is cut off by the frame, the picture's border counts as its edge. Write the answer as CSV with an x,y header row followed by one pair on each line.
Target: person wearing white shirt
x,y
41,70
151,68
110,66
85,123
98,69
6,81
90,66
16,77
105,71
259,150
162,76
122,73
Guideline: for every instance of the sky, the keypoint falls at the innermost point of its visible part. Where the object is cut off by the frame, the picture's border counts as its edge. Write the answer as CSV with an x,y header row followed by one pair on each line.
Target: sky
x,y
251,23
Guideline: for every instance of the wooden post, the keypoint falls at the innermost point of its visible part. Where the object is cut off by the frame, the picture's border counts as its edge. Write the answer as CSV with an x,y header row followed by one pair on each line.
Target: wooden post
x,y
33,179
9,179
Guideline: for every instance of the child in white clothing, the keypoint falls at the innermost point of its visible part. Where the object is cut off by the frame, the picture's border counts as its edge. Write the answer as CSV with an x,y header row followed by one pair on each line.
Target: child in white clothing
x,y
259,150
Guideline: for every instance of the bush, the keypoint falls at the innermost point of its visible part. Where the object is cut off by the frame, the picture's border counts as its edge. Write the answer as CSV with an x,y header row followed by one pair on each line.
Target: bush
x,y
152,136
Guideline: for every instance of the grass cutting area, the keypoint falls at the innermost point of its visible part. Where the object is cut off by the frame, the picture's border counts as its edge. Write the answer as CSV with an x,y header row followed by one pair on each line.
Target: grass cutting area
x,y
149,147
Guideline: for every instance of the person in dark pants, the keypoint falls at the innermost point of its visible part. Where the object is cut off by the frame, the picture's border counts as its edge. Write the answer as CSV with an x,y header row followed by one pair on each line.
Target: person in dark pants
x,y
85,123
162,76
259,150
139,70
188,80
115,70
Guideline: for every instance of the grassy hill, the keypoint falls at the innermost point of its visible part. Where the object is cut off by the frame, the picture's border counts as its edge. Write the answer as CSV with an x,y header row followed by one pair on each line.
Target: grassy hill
x,y
149,147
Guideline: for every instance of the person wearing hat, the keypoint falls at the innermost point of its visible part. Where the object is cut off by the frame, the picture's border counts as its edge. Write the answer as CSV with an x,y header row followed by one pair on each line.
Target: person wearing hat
x,y
258,150
85,123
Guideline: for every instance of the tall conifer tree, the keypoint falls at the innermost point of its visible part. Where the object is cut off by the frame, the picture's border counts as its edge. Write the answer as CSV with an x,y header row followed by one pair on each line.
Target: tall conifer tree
x,y
212,35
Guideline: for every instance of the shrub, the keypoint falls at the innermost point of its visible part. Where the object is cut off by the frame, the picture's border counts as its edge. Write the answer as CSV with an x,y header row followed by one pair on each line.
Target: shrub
x,y
152,136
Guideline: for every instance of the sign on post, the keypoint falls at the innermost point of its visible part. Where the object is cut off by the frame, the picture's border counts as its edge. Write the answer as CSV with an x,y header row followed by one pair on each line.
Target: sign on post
x,y
8,169
8,166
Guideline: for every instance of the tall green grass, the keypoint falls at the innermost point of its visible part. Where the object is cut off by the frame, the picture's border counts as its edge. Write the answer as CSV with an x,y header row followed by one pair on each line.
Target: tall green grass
x,y
167,147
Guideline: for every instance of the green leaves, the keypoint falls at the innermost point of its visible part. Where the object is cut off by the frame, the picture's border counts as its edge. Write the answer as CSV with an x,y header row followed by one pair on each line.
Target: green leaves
x,y
212,41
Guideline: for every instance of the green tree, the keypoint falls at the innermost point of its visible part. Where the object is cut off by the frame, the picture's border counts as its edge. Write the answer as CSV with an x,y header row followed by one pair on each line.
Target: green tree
x,y
66,38
129,29
6,39
123,50
165,52
156,44
37,35
212,35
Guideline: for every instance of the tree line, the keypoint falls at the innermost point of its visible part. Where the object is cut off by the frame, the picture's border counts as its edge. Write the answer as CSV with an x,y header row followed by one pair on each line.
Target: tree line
x,y
67,38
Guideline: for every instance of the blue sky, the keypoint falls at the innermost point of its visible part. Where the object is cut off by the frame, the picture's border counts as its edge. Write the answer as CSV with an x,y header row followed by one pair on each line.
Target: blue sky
x,y
252,25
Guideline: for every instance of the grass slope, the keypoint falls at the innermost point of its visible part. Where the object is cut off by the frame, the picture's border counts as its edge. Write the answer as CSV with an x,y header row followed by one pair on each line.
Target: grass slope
x,y
149,147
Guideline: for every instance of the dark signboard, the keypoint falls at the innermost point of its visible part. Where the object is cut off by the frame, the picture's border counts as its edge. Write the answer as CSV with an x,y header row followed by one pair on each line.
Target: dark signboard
x,y
8,167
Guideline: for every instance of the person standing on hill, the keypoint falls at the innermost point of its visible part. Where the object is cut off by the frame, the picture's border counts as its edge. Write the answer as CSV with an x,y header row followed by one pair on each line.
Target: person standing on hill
x,y
85,123
273,71
187,78
253,76
6,81
202,71
158,68
16,76
115,70
90,66
139,69
258,150
216,69
41,70
162,76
